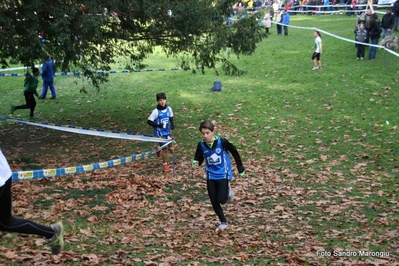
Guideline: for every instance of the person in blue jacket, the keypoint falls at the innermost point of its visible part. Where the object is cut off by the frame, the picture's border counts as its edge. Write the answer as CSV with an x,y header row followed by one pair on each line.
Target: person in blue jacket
x,y
285,20
48,73
214,150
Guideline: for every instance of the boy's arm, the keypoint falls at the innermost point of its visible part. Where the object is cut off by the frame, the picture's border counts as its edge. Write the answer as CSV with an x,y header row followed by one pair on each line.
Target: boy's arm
x,y
172,123
320,48
153,116
171,120
33,86
198,157
232,149
153,124
33,89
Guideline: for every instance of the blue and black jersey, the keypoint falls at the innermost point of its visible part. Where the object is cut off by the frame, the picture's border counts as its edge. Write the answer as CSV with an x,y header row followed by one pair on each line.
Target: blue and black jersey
x,y
217,158
163,119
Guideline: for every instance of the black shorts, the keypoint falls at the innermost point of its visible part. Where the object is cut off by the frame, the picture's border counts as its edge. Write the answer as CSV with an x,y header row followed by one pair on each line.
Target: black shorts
x,y
168,137
316,55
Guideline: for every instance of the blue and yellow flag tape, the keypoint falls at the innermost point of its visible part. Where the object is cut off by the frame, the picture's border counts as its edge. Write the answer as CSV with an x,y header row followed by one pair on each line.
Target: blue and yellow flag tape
x,y
44,173
100,72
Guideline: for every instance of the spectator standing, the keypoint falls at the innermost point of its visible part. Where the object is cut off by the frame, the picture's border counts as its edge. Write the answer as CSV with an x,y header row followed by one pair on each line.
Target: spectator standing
x,y
396,15
374,34
303,6
278,20
334,8
360,19
361,37
288,6
326,4
367,18
342,4
48,73
267,23
353,7
285,20
271,10
387,23
249,6
294,7
319,8
276,8
257,5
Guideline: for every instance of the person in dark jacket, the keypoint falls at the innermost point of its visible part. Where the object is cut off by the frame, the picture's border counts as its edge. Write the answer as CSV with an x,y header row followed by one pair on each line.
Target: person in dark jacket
x,y
367,21
361,37
278,20
396,15
48,73
387,23
375,35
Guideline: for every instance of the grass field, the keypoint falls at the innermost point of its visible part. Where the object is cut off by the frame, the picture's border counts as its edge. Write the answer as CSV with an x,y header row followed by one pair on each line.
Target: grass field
x,y
320,150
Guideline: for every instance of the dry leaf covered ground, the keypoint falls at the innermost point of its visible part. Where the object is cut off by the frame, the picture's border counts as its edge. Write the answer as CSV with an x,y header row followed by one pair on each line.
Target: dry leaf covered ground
x,y
135,214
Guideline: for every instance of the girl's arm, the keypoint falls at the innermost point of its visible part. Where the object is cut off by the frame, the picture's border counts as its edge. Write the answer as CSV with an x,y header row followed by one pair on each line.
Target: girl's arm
x,y
320,48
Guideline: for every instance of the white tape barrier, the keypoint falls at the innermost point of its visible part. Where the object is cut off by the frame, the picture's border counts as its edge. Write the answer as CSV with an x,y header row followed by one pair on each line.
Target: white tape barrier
x,y
338,37
35,174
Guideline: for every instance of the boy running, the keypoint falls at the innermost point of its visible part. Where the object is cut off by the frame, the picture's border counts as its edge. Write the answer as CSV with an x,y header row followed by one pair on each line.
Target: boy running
x,y
161,119
30,87
215,151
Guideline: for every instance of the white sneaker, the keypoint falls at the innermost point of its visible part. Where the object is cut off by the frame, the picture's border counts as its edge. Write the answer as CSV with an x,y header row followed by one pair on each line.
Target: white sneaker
x,y
315,68
230,197
221,228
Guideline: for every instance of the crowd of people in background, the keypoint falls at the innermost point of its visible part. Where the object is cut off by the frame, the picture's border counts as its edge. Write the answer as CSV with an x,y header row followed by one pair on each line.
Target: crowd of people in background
x,y
369,27
310,7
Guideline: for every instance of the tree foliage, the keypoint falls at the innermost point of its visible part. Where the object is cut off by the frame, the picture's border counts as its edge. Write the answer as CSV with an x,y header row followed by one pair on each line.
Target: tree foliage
x,y
90,34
